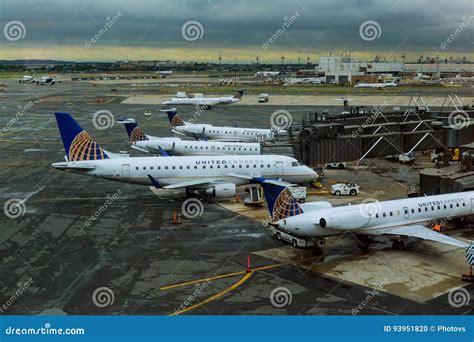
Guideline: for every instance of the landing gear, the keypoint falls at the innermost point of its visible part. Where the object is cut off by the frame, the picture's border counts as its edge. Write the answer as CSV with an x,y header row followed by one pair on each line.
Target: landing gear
x,y
365,241
399,245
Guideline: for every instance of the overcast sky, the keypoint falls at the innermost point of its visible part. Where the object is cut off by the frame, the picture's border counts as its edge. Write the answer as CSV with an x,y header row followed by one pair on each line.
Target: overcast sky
x,y
152,29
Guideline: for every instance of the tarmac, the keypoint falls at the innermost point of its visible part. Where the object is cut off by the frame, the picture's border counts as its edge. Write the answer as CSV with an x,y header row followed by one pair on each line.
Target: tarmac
x,y
148,265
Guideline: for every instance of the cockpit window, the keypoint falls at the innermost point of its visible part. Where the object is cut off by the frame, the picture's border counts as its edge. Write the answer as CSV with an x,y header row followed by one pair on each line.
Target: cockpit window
x,y
293,164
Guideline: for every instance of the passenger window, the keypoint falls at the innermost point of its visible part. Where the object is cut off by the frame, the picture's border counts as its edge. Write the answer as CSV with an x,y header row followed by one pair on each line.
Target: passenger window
x,y
413,211
151,167
136,168
377,215
166,167
384,215
419,210
174,167
180,167
195,167
391,213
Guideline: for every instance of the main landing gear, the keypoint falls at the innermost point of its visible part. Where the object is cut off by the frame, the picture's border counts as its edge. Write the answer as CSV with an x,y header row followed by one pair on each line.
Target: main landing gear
x,y
399,245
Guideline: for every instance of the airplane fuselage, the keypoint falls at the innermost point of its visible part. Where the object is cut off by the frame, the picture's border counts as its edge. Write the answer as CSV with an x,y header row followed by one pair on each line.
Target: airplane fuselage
x,y
201,101
225,133
179,147
170,170
378,217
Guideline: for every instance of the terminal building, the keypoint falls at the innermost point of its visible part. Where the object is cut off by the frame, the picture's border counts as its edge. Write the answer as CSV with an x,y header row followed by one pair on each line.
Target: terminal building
x,y
348,70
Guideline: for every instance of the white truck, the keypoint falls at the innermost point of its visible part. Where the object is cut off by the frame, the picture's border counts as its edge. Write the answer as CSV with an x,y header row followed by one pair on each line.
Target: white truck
x,y
298,193
294,240
263,98
337,165
407,158
345,189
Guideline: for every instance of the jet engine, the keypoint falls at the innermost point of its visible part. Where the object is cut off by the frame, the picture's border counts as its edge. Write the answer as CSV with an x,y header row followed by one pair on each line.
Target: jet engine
x,y
347,220
221,190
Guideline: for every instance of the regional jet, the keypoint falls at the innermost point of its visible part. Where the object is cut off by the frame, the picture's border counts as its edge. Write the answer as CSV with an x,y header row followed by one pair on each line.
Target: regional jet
x,y
376,85
206,131
205,102
175,146
403,218
216,176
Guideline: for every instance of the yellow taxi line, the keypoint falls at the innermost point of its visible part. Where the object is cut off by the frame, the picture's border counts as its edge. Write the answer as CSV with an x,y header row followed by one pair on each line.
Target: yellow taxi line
x,y
218,295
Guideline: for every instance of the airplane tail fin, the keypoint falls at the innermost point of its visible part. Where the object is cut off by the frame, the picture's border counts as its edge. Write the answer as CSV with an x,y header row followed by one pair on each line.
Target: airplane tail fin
x,y
78,144
239,94
173,116
281,203
134,131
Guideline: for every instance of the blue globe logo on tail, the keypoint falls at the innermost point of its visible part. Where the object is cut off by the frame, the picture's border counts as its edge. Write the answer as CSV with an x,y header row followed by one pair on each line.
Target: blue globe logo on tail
x,y
83,147
137,135
78,144
280,201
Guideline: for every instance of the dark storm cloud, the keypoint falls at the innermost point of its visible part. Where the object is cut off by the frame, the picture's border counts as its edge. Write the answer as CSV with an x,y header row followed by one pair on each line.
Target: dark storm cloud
x,y
323,25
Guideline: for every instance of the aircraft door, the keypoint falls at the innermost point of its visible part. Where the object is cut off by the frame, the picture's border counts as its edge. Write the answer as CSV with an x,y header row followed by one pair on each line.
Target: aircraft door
x,y
126,170
213,148
279,168
472,205
406,212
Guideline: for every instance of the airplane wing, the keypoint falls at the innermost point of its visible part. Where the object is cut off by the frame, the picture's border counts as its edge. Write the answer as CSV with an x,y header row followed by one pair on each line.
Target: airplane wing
x,y
421,232
72,166
190,183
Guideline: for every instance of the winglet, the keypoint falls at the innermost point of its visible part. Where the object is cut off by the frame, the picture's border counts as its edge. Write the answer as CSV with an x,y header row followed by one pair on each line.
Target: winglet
x,y
78,144
154,182
163,153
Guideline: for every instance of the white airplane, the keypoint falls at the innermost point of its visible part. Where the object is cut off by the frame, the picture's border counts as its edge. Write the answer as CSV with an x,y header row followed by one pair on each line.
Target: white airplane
x,y
165,73
46,80
206,131
376,85
26,79
205,102
175,146
214,175
267,73
404,218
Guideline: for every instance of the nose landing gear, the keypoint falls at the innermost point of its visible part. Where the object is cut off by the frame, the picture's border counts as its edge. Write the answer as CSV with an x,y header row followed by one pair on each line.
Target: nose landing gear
x,y
399,245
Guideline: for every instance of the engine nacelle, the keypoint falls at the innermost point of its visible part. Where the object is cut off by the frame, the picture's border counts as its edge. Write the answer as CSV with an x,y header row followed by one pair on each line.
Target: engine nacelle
x,y
351,219
222,190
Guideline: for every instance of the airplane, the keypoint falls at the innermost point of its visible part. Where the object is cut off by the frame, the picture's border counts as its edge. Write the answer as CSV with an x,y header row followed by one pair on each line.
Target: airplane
x,y
26,79
205,102
404,218
267,73
46,80
216,176
175,146
165,73
376,85
206,131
